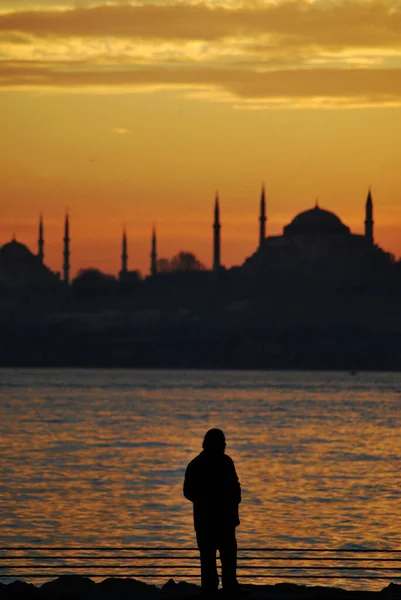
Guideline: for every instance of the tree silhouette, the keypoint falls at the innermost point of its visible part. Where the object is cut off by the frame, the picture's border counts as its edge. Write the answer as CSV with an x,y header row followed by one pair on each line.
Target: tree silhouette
x,y
186,261
163,265
182,261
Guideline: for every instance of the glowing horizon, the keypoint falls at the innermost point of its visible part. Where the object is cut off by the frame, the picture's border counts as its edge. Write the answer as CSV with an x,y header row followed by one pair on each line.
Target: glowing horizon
x,y
247,236
134,113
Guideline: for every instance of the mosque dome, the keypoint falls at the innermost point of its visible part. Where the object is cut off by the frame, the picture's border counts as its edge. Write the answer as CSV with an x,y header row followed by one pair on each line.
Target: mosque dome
x,y
15,251
314,221
20,267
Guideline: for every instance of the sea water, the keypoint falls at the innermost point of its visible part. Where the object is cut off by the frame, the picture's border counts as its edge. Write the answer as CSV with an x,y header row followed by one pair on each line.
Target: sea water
x,y
96,458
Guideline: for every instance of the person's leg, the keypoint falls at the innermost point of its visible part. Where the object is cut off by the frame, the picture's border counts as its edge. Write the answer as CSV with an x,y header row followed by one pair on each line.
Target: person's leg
x,y
228,557
207,551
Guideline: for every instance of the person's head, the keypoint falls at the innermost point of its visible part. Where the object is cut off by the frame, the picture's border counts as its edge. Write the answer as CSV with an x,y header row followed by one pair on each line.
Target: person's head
x,y
214,441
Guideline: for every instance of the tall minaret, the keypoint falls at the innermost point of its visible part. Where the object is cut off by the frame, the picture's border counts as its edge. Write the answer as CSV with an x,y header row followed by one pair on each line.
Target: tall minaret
x,y
369,219
262,217
66,253
153,254
124,255
216,236
41,241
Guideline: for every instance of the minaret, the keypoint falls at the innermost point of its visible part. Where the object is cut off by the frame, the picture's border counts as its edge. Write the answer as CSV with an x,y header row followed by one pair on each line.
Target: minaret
x,y
66,253
124,255
216,236
41,241
369,219
262,217
153,254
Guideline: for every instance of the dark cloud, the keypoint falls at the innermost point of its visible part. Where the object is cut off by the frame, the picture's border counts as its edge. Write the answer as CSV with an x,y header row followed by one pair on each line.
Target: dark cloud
x,y
380,85
270,53
344,23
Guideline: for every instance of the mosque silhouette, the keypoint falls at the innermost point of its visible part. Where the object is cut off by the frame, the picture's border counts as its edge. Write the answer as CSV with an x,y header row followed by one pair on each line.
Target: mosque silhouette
x,y
315,237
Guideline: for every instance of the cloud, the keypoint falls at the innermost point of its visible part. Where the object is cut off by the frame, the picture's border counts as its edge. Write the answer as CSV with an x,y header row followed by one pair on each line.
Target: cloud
x,y
291,52
21,5
379,85
11,37
339,23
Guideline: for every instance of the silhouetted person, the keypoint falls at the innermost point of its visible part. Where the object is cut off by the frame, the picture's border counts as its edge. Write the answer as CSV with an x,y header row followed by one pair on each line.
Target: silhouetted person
x,y
211,483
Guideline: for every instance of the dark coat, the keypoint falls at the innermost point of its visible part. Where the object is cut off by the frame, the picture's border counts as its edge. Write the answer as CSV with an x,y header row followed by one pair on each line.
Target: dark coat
x,y
211,483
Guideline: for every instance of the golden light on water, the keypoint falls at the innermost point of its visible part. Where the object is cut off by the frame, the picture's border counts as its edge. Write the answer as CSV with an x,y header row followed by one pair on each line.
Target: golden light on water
x,y
97,458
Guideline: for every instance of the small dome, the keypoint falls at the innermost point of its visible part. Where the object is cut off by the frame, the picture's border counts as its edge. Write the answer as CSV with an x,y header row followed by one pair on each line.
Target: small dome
x,y
16,251
20,267
316,220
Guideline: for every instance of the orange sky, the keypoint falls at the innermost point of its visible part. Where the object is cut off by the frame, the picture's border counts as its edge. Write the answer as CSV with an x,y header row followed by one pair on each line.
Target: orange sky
x,y
134,113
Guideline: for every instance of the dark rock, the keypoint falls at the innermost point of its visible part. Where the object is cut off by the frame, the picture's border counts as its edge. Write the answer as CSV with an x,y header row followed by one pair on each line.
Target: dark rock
x,y
259,591
392,589
76,587
125,589
321,591
292,591
19,590
169,586
69,586
182,589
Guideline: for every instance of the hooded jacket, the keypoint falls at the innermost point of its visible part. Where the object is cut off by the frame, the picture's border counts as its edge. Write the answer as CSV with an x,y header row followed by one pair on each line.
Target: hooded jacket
x,y
211,483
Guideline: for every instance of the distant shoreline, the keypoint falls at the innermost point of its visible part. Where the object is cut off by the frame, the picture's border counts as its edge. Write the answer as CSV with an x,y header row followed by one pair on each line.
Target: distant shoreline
x,y
124,367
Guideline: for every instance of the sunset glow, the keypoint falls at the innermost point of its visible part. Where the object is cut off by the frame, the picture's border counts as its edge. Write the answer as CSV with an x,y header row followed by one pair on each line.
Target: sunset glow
x,y
129,114
317,456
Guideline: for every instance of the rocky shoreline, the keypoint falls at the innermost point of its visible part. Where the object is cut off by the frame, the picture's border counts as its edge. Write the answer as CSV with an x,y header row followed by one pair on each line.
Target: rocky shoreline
x,y
76,587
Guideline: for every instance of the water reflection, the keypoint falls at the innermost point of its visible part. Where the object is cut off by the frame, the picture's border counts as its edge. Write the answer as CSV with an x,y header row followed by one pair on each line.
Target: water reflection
x,y
97,458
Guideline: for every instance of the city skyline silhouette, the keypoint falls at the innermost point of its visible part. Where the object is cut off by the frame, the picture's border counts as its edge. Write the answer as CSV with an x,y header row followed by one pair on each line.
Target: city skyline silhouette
x,y
159,263
128,122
